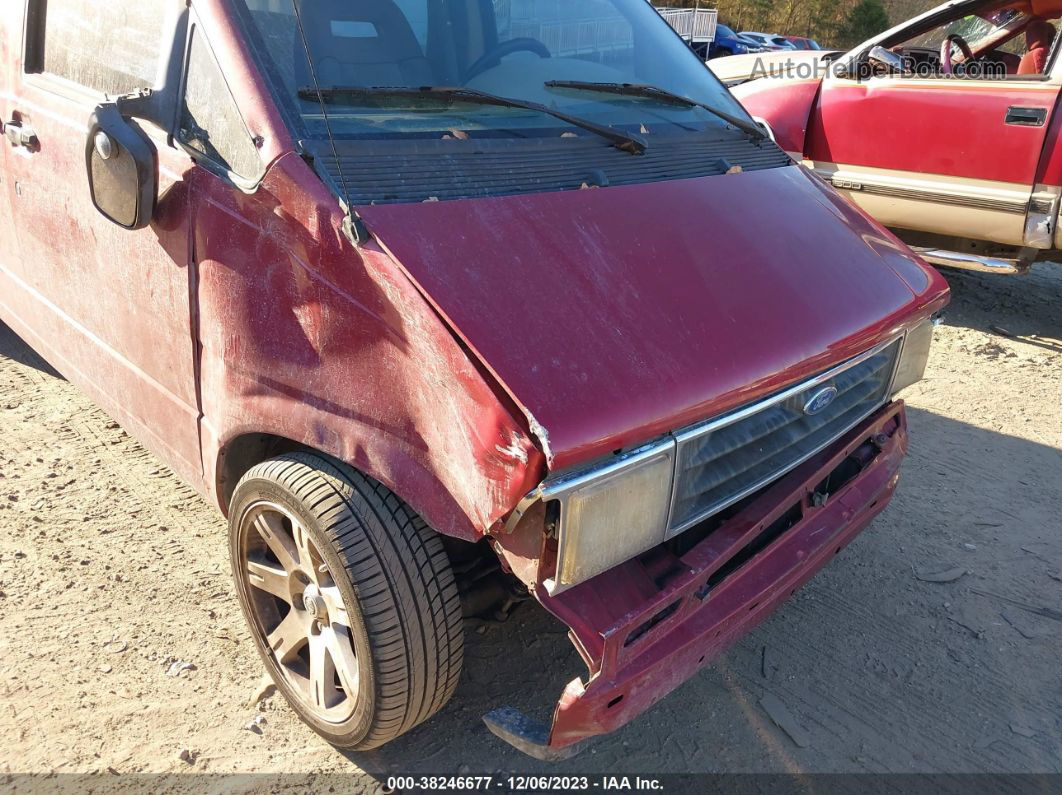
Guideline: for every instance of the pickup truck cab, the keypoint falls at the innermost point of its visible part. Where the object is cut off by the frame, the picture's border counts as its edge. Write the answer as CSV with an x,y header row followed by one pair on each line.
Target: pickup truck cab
x,y
446,307
944,129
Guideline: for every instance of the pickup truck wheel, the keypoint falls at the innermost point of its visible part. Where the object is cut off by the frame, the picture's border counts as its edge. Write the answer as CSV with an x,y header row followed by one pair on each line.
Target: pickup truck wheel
x,y
350,598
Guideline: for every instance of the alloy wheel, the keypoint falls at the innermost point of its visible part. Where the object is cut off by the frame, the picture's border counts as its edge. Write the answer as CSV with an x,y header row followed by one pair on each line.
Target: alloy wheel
x,y
299,611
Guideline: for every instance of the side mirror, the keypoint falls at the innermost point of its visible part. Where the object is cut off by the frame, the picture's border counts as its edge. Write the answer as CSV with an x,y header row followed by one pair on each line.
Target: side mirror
x,y
887,59
123,170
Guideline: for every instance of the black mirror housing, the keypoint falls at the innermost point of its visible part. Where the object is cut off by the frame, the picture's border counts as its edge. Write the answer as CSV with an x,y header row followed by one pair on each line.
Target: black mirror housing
x,y
123,168
122,162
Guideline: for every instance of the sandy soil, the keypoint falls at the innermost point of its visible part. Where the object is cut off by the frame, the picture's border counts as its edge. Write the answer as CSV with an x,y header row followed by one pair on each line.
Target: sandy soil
x,y
112,571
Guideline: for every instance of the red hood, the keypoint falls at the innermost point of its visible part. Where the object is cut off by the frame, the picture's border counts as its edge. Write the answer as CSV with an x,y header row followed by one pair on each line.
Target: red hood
x,y
613,315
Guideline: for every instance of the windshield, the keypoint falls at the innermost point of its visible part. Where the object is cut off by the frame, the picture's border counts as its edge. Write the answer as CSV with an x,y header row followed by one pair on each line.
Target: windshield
x,y
509,48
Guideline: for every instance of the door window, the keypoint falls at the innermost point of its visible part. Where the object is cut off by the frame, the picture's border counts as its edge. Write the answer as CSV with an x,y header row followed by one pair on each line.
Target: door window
x,y
992,44
112,46
210,122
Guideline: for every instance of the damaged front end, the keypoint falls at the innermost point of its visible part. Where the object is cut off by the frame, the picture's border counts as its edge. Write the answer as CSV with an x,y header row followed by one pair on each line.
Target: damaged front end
x,y
646,625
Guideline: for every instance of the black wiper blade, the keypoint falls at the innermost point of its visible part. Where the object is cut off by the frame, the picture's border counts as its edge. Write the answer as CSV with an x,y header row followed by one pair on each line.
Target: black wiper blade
x,y
653,92
628,142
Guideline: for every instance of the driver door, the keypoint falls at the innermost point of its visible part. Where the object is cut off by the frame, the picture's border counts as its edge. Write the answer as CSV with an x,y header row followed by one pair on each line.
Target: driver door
x,y
109,308
955,157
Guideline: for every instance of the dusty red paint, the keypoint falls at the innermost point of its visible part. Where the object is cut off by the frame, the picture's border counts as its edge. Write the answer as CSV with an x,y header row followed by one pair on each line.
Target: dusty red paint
x,y
613,316
264,318
69,278
314,340
453,357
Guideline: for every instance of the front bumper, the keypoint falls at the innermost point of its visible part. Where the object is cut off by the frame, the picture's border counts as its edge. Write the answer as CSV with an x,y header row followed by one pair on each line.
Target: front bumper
x,y
646,626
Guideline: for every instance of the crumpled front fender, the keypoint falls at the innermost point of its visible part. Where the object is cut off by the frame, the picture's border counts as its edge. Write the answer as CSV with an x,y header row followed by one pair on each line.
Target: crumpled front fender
x,y
641,641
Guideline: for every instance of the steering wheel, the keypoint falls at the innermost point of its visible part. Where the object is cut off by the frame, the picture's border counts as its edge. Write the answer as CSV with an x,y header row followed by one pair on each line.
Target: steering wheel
x,y
945,51
489,59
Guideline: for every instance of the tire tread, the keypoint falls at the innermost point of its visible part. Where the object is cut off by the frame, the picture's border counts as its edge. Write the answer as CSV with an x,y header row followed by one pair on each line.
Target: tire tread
x,y
403,581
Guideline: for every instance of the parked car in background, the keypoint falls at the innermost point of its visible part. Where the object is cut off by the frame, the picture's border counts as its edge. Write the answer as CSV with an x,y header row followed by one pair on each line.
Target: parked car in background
x,y
770,41
803,43
944,129
328,277
797,64
727,42
753,45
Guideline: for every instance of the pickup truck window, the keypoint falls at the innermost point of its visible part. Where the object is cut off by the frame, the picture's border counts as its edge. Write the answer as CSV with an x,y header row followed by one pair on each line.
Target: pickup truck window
x,y
990,45
210,122
111,46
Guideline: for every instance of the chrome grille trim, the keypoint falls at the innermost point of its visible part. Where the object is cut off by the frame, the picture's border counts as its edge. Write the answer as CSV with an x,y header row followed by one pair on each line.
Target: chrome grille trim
x,y
560,485
698,431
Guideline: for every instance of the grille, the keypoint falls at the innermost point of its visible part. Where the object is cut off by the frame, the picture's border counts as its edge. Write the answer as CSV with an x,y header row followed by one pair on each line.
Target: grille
x,y
728,458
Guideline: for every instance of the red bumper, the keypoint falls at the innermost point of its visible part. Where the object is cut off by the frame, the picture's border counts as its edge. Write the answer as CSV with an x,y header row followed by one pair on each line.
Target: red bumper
x,y
641,641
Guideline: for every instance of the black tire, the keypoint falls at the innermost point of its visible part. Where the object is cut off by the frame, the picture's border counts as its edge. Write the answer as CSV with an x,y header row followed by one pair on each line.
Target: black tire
x,y
396,585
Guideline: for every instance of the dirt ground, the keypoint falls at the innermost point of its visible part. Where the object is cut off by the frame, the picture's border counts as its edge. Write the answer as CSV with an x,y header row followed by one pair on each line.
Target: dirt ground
x,y
931,644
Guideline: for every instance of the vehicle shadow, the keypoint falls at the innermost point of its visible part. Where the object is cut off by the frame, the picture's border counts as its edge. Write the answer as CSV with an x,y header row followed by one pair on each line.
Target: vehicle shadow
x,y
883,667
13,347
1026,307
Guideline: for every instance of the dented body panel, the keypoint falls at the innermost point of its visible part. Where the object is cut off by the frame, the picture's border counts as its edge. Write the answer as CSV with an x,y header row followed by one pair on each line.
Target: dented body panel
x,y
640,640
464,352
252,314
317,341
624,313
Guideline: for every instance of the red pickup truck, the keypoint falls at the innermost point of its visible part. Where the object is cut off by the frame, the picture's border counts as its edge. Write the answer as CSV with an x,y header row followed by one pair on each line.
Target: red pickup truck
x,y
945,128
445,310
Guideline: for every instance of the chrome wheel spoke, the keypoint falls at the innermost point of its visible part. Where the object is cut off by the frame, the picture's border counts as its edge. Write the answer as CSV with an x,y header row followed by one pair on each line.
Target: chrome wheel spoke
x,y
272,580
271,530
288,637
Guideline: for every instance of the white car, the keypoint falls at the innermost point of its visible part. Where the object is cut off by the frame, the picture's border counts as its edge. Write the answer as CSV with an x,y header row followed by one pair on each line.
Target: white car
x,y
771,41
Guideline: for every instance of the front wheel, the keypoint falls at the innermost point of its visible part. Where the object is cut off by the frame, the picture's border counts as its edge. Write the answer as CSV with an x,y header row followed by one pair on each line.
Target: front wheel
x,y
350,598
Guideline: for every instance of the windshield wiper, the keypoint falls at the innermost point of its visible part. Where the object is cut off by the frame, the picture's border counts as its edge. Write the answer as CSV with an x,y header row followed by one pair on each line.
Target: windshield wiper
x,y
628,142
652,92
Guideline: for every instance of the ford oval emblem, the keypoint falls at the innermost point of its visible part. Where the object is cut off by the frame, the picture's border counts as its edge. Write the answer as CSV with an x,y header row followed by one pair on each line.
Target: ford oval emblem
x,y
820,400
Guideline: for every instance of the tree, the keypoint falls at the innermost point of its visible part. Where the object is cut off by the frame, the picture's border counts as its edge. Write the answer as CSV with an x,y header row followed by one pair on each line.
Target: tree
x,y
867,18
833,23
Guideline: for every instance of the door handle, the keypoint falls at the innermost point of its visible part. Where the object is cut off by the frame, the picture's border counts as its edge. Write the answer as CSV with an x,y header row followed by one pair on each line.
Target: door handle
x,y
1026,117
20,134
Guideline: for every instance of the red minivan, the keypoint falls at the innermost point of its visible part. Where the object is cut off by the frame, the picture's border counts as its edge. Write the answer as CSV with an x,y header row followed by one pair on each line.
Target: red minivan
x,y
450,304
